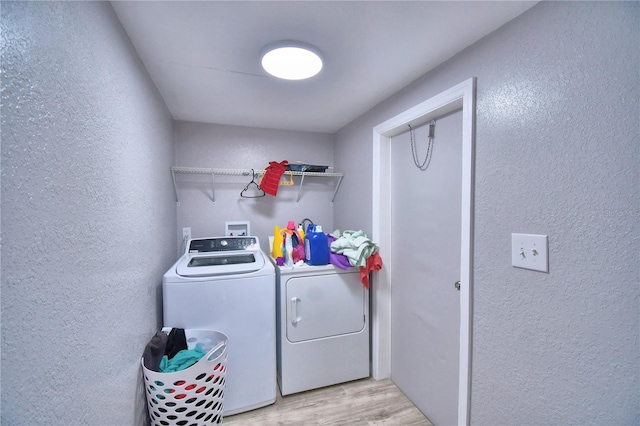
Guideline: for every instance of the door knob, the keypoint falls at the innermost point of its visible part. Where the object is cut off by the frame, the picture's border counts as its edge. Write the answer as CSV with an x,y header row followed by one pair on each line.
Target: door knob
x,y
457,285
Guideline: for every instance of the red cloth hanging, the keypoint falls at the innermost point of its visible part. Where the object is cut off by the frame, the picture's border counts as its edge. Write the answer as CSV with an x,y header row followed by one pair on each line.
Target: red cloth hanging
x,y
271,179
374,263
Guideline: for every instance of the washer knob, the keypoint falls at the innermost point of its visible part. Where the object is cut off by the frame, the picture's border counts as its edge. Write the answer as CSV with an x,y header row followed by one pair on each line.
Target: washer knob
x,y
223,243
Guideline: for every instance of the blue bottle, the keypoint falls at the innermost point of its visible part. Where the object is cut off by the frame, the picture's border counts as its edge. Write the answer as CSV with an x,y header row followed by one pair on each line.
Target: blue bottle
x,y
316,246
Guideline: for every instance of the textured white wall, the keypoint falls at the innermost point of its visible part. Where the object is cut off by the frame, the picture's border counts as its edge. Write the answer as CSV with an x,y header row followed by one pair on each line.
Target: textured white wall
x,y
558,92
87,215
218,146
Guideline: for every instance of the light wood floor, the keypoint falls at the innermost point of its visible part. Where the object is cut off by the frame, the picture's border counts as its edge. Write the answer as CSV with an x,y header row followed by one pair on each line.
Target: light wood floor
x,y
363,402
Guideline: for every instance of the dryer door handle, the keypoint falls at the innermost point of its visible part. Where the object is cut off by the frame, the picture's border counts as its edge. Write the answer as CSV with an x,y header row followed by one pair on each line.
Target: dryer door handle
x,y
295,318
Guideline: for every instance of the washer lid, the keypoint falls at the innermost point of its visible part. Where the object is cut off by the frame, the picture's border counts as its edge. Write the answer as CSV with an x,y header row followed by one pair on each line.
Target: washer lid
x,y
220,263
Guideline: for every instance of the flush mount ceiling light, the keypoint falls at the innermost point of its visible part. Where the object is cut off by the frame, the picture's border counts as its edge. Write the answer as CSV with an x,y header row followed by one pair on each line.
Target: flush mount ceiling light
x,y
291,60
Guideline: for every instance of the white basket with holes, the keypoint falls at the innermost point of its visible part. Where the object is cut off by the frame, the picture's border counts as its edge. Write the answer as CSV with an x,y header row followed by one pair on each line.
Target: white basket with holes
x,y
195,395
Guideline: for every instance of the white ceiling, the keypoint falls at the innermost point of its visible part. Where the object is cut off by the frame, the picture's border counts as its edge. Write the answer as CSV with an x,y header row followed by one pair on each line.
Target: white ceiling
x,y
204,55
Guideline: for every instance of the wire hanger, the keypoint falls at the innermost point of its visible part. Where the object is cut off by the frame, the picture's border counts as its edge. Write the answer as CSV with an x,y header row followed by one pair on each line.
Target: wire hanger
x,y
261,193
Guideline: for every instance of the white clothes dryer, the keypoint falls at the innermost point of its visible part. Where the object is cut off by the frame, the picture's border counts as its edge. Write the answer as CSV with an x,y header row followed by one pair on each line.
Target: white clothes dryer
x,y
322,327
228,285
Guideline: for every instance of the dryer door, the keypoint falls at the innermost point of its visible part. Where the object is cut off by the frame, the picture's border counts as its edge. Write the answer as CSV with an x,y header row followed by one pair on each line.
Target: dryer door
x,y
324,305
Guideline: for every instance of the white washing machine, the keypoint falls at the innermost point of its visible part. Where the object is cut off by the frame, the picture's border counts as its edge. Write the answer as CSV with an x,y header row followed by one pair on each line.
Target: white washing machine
x,y
228,285
322,327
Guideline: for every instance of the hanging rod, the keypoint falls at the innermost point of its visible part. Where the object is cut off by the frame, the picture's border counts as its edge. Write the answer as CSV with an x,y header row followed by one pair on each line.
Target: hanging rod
x,y
246,172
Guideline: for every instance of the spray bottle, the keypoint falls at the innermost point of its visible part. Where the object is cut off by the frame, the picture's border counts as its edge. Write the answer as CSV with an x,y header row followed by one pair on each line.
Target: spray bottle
x,y
291,239
288,247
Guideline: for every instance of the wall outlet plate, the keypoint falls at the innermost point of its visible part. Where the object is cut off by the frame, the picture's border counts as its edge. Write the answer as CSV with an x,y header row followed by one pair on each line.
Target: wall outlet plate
x,y
530,252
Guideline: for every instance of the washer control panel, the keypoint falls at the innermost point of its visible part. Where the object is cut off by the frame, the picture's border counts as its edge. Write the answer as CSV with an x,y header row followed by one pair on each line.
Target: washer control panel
x,y
204,245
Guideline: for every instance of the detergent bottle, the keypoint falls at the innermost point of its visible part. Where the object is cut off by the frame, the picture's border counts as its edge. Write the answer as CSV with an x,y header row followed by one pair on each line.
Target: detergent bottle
x,y
316,246
278,242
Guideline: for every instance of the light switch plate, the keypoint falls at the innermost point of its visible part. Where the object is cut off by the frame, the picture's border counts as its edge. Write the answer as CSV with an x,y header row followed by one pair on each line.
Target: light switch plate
x,y
530,252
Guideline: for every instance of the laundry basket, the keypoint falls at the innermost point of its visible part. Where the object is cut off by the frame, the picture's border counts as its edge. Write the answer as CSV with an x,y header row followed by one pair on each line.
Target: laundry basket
x,y
195,395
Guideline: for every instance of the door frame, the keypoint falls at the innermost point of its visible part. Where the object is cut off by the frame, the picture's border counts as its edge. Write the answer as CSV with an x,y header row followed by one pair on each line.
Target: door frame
x,y
459,96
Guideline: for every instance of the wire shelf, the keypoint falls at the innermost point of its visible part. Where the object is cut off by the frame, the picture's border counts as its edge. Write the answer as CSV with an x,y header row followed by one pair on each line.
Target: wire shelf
x,y
247,172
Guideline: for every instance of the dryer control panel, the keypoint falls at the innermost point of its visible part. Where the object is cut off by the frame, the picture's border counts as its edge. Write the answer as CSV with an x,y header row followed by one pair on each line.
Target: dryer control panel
x,y
205,245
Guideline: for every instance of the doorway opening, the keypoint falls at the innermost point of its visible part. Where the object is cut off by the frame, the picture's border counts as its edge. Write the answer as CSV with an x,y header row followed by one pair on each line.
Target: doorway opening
x,y
461,96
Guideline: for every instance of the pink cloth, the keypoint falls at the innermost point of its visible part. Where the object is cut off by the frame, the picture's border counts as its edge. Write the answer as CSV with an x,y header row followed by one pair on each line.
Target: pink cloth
x,y
374,263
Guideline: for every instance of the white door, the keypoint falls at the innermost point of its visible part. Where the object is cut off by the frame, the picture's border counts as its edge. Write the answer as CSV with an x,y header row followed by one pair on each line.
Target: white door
x,y
426,236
